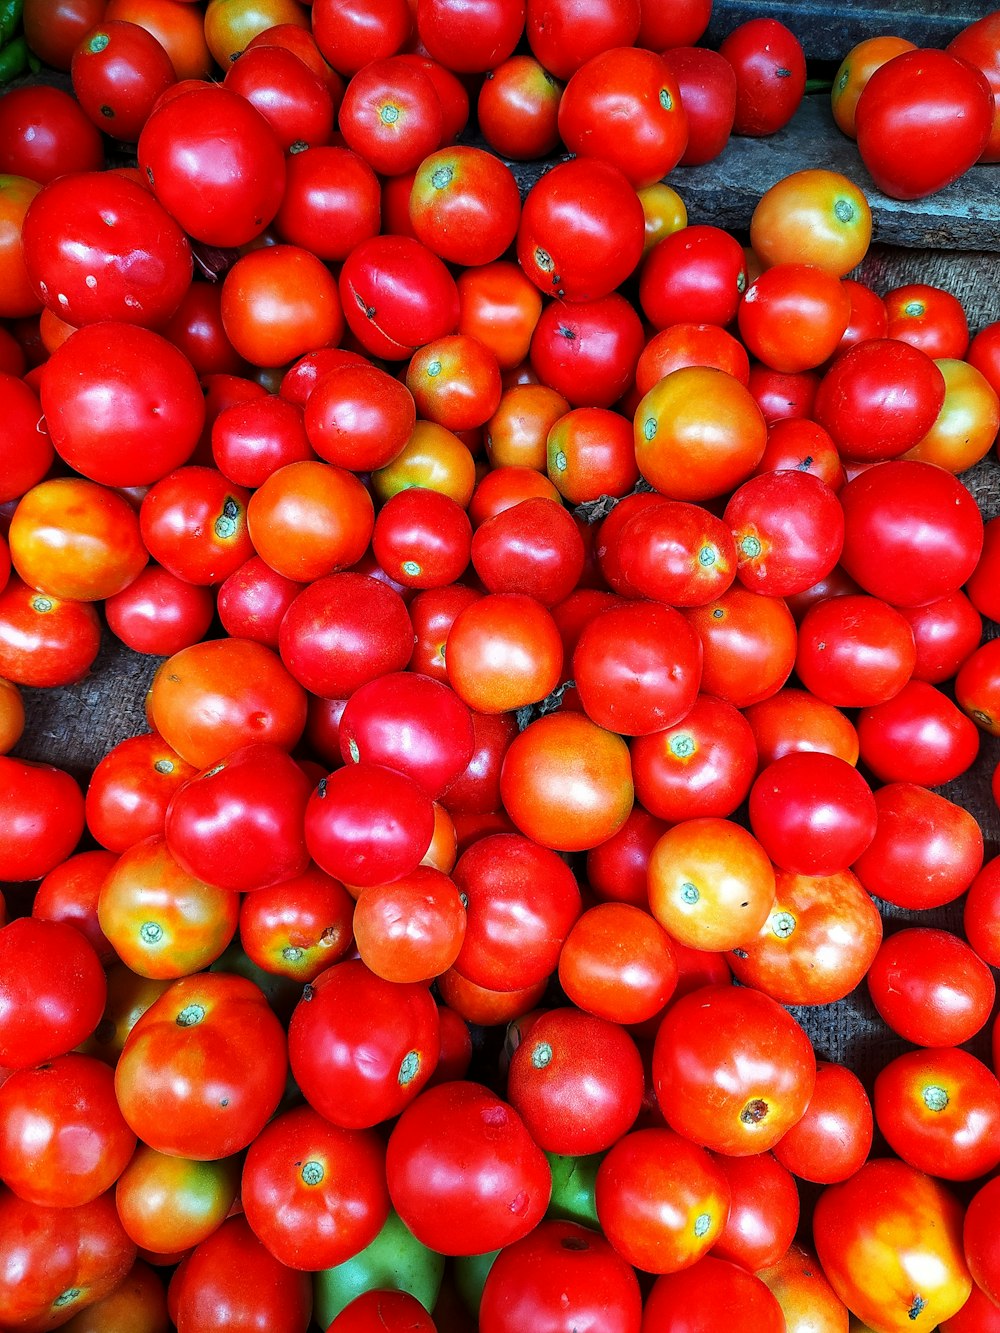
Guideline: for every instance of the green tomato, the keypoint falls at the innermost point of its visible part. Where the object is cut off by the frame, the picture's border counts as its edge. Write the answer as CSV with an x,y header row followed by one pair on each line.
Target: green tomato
x,y
471,1272
395,1260
573,1185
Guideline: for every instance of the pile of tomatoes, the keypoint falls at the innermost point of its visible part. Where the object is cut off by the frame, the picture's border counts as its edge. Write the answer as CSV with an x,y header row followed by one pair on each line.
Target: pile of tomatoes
x,y
566,614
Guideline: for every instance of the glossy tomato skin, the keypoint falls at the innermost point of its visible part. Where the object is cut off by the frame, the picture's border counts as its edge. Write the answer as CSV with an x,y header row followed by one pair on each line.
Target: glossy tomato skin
x,y
524,1289
130,789
931,987
923,1279
623,985
711,1295
194,146
763,1211
918,736
834,1136
707,84
217,1021
362,1048
788,528
53,991
211,1292
895,107
739,1052
855,651
43,818
770,69
879,399
979,1239
397,295
562,34
813,813
484,1186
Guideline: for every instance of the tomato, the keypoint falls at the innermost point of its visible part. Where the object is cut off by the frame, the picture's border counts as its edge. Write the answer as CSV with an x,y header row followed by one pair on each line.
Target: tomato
x,y
763,1211
701,765
892,510
391,116
58,1260
351,35
465,205
278,303
167,1204
118,71
788,530
201,705
45,134
43,818
362,1048
331,202
687,344
577,1082
982,914
928,317
567,782
178,28
393,1309
588,351
45,640
217,1021
618,963
70,893
563,34
926,850
122,257
900,99
469,38
397,295
967,424
946,633
296,101
484,1185
581,230
671,551
812,217
710,1296
711,885
922,1278
732,1069
211,1292
54,30
455,382
63,1140
931,988
695,275
770,69
623,106
521,900
939,1110
138,1303
517,109
813,813
817,943
698,434
834,1136
919,736
25,449
130,789
503,652
980,1241
748,645
854,651
879,399
661,1201
978,1315
560,1257
855,70
706,82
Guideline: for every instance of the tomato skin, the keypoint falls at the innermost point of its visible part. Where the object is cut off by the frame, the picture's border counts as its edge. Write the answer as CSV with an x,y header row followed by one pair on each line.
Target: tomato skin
x,y
770,69
926,849
469,38
923,1278
788,528
748,645
53,991
225,1025
168,1204
661,1200
707,84
763,1211
195,146
981,916
979,1240
314,1194
560,1256
710,1296
361,1048
855,651
63,1140
793,316
834,1136
563,34
396,1311
695,275
602,978
740,1053
397,296
812,217
918,736
45,134
931,988
465,205
897,103
212,1294
43,818
576,1080
814,813
879,399
484,1186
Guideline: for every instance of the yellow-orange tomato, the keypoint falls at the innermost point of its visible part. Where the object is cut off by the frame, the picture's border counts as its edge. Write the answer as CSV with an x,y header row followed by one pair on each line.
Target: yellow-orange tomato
x,y
75,539
442,853
309,519
231,24
167,1204
711,884
808,1302
17,296
411,929
178,27
278,303
968,421
855,70
812,217
433,457
129,996
664,211
213,697
890,1242
517,432
11,715
698,434
566,782
137,1305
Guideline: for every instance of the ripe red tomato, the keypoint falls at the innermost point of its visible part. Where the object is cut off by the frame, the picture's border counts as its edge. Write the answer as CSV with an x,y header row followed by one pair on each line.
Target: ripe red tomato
x,y
770,68
52,991
834,1137
711,1295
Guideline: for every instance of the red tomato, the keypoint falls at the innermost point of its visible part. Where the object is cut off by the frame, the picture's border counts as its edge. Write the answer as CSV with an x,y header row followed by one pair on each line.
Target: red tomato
x,y
834,1136
563,34
588,351
43,818
391,116
899,101
412,928
919,736
119,71
518,109
793,316
854,651
732,1069
618,963
710,1296
931,988
707,85
52,991
397,295
770,68
44,134
465,205
748,644
813,813
763,1211
130,789
299,927
482,1186
788,529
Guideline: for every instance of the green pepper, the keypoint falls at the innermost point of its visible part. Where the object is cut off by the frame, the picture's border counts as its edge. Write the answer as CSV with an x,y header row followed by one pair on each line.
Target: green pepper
x,y
10,19
13,59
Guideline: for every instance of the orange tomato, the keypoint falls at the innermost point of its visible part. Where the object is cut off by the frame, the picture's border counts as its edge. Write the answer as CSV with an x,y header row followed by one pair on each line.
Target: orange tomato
x,y
812,217
855,70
